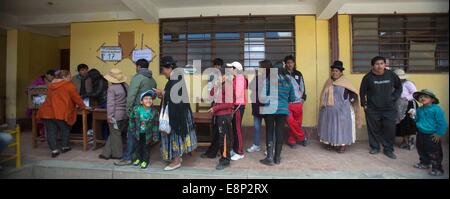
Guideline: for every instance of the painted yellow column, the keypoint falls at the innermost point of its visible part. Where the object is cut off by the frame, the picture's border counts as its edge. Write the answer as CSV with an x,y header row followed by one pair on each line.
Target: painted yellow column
x,y
306,59
11,78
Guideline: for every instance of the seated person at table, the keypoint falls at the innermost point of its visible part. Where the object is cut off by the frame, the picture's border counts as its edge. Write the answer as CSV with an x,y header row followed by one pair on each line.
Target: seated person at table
x,y
143,124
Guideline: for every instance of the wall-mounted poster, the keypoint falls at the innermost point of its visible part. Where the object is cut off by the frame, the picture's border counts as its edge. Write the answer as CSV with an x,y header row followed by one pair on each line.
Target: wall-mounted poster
x,y
145,53
111,53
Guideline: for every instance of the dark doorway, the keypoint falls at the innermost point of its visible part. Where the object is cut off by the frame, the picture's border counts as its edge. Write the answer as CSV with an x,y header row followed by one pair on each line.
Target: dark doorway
x,y
65,59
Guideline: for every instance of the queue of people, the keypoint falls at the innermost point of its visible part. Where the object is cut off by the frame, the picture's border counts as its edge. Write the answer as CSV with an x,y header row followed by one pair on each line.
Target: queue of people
x,y
387,98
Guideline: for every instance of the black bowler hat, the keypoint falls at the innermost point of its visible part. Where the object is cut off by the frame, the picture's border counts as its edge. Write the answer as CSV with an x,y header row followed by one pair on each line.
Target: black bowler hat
x,y
338,64
167,61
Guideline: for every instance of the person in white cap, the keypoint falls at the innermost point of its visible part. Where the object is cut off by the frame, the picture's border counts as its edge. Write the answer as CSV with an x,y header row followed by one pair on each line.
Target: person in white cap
x,y
405,127
116,113
239,101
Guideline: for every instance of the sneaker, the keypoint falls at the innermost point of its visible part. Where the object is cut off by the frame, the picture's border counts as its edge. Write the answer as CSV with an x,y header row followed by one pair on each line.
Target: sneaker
x,y
435,172
55,153
422,166
404,145
390,155
374,151
144,165
232,153
137,162
66,149
411,147
237,157
254,148
123,163
305,142
222,166
292,146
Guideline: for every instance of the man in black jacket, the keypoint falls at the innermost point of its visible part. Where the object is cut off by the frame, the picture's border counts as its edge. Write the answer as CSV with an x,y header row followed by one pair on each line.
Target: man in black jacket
x,y
379,90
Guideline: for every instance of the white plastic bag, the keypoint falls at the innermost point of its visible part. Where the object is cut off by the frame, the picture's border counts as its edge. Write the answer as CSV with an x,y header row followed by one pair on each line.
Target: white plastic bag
x,y
164,125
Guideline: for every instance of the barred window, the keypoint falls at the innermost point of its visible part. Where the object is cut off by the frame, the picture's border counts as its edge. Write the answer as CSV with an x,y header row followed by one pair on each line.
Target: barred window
x,y
416,43
247,39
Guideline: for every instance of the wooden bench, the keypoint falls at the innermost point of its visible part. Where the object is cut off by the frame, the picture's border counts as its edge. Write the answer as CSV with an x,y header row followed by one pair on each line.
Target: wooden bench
x,y
203,119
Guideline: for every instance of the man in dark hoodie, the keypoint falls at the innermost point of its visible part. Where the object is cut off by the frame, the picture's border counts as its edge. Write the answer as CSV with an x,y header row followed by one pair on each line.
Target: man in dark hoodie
x,y
379,90
141,82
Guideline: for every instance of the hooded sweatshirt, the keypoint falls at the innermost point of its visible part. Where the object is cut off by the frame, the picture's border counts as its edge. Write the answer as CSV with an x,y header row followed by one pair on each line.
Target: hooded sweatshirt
x,y
60,102
141,82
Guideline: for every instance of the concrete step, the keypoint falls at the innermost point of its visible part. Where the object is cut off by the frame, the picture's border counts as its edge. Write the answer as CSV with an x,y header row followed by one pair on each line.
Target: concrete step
x,y
57,169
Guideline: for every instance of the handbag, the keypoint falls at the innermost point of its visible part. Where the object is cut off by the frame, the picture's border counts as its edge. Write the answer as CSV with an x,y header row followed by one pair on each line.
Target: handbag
x,y
164,125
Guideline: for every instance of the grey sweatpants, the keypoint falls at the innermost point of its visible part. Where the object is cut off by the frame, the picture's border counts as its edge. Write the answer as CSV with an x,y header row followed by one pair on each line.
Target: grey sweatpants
x,y
51,128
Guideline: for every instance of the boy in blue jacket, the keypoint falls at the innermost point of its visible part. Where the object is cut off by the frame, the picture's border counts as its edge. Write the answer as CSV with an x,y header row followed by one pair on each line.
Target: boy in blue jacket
x,y
431,126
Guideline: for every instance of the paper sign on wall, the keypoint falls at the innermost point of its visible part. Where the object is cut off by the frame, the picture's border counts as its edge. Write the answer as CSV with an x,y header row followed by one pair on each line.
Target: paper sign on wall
x,y
111,53
142,54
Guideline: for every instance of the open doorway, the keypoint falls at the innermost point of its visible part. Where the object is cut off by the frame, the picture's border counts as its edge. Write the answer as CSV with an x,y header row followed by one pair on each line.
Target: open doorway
x,y
64,59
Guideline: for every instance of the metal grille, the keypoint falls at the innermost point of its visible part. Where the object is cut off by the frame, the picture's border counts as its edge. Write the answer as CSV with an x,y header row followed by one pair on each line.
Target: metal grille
x,y
416,43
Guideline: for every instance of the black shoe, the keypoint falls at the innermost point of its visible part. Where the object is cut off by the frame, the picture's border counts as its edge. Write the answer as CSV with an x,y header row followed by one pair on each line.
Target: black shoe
x,y
55,154
422,166
269,158
328,147
277,160
390,154
435,172
101,156
293,146
222,165
205,155
267,161
374,151
66,149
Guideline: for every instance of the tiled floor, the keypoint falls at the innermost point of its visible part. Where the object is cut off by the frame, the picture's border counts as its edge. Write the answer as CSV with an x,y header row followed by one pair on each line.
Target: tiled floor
x,y
306,161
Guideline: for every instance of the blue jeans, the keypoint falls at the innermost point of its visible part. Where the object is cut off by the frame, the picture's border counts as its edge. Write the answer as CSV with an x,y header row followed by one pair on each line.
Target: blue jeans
x,y
257,125
131,147
5,139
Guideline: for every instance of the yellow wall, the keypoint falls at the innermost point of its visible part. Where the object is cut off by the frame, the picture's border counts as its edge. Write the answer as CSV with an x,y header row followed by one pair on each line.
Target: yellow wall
x,y
438,82
37,54
86,38
64,42
29,55
312,57
11,70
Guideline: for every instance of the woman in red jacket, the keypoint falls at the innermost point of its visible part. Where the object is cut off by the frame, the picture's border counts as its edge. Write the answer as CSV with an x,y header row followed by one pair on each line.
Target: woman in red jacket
x,y
59,110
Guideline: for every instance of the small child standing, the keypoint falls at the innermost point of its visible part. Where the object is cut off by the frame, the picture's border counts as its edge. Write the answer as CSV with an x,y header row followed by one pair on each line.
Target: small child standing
x,y
431,126
143,124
